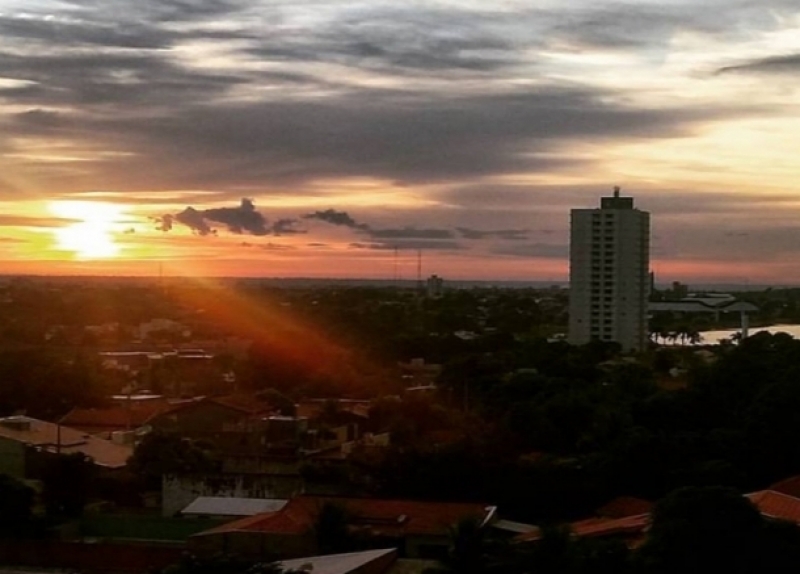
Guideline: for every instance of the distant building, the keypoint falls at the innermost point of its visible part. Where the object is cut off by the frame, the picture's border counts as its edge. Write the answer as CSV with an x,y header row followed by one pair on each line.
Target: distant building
x,y
434,287
609,273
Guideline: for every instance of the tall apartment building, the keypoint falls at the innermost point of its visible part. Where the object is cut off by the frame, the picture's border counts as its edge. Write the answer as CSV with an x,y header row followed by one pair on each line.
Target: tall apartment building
x,y
609,273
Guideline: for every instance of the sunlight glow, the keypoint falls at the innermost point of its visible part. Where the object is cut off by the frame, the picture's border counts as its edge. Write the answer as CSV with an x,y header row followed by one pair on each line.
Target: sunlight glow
x,y
91,236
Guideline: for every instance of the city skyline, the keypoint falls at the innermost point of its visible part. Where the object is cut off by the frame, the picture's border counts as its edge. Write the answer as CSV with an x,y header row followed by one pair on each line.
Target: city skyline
x,y
313,139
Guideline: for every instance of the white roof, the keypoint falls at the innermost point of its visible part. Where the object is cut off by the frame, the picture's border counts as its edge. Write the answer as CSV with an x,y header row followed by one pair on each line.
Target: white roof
x,y
335,563
232,506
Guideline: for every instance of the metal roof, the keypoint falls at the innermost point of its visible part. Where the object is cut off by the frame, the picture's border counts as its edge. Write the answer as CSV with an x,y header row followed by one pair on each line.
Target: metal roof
x,y
232,506
336,563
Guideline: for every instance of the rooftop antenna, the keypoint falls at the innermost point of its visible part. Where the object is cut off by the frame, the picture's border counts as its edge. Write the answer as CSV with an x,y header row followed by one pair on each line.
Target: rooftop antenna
x,y
419,269
394,263
616,191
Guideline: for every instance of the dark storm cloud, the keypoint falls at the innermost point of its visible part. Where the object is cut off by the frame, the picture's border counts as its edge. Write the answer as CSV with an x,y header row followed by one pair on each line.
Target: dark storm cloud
x,y
508,234
783,64
339,218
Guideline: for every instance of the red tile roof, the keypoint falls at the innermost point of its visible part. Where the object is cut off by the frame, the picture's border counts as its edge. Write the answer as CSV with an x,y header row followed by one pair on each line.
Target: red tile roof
x,y
623,506
770,504
611,526
385,517
112,418
244,403
790,486
596,527
777,505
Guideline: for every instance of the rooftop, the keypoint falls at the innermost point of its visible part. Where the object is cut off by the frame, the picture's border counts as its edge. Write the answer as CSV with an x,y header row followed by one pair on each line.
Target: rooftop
x,y
232,506
54,438
379,517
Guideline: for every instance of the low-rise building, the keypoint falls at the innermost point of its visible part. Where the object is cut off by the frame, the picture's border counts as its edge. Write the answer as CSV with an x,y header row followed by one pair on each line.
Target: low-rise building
x,y
417,529
23,438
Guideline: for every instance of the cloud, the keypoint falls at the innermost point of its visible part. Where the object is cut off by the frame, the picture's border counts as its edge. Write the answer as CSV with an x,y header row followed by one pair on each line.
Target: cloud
x,y
276,247
401,41
783,64
193,219
534,250
411,233
339,218
414,244
286,226
27,221
241,219
507,234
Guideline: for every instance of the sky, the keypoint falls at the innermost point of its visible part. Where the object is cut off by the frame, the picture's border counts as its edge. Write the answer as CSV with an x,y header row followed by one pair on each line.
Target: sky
x,y
318,138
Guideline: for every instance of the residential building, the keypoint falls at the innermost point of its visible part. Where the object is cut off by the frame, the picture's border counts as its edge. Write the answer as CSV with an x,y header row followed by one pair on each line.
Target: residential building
x,y
434,287
609,270
24,440
418,529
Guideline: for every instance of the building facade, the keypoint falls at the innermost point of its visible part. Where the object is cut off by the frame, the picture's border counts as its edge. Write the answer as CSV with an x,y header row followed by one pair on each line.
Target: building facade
x,y
609,273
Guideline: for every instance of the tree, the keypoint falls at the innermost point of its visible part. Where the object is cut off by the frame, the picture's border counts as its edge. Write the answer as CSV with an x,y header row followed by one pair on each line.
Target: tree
x,y
16,504
703,529
332,529
466,552
67,482
162,453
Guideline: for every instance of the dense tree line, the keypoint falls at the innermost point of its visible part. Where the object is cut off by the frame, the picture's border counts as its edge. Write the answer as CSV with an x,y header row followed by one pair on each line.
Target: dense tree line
x,y
574,429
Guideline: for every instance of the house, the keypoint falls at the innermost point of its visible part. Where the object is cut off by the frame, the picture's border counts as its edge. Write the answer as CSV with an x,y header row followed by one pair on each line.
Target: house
x,y
22,438
790,486
179,491
118,418
417,529
230,506
207,417
633,528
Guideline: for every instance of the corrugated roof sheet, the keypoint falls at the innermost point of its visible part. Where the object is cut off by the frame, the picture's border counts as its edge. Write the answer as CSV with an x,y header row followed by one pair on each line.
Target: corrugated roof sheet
x,y
380,517
232,506
338,563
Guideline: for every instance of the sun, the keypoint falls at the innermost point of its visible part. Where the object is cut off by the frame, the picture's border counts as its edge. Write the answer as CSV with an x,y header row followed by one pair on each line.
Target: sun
x,y
91,234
